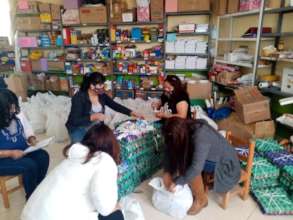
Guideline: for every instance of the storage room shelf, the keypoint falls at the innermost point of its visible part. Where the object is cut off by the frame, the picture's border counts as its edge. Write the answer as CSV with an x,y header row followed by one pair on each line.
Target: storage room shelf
x,y
42,48
228,87
188,54
37,31
279,10
134,74
86,25
186,70
53,72
137,23
86,45
137,42
243,39
282,34
276,91
188,13
241,64
140,59
191,34
277,59
27,15
87,61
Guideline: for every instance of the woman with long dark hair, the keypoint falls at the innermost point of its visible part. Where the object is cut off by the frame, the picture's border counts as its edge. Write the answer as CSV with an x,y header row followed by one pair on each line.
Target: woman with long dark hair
x,y
194,146
84,185
88,106
14,139
175,97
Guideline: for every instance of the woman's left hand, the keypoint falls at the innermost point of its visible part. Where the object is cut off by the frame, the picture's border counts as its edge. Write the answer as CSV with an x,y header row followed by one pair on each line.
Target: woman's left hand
x,y
137,115
32,140
162,115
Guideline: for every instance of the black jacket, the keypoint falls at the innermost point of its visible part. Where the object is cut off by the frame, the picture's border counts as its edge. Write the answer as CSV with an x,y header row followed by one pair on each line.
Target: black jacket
x,y
81,109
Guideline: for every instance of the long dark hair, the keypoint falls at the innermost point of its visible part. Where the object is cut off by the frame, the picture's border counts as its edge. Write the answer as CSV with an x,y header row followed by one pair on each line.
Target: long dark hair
x,y
179,148
7,99
92,79
179,87
99,138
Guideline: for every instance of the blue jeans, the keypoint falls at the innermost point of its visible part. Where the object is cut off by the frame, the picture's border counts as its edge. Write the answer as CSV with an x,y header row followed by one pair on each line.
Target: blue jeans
x,y
114,216
77,134
33,168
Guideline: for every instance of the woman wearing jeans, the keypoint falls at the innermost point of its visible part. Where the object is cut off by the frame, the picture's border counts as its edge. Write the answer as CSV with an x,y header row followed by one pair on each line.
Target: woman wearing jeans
x,y
88,106
15,135
84,185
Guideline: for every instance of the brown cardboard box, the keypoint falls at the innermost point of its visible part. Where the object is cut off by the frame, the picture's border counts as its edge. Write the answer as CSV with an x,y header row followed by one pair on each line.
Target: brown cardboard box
x,y
199,89
193,5
56,65
220,7
243,133
56,12
18,84
70,16
32,8
251,106
36,65
53,83
233,6
30,23
273,3
157,10
44,7
93,14
64,85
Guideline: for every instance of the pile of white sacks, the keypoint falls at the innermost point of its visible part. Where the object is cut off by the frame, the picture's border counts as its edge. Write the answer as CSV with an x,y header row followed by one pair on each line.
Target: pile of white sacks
x,y
48,113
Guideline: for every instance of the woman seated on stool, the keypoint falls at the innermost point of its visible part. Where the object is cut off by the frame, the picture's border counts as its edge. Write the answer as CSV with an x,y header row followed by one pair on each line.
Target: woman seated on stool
x,y
15,136
83,185
193,147
88,106
176,98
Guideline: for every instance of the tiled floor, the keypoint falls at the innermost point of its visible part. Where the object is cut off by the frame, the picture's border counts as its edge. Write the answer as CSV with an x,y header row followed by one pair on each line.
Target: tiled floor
x,y
238,209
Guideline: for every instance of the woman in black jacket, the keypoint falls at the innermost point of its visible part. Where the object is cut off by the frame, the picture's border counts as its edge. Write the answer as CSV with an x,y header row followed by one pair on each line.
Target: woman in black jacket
x,y
88,106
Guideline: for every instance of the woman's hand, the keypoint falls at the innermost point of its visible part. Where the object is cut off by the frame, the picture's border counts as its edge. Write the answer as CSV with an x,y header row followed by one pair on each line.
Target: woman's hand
x,y
137,115
16,154
162,115
156,105
98,117
32,140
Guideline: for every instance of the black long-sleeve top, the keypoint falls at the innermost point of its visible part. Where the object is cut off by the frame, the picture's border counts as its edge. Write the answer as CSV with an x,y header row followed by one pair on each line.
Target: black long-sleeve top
x,y
81,107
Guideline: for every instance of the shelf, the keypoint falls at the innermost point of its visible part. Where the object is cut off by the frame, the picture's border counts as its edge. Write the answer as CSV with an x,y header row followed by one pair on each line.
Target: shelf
x,y
38,31
137,23
134,74
186,70
86,25
188,13
240,39
85,45
41,48
188,54
137,42
273,59
27,15
240,64
191,34
139,59
276,91
282,34
53,72
228,87
279,10
87,61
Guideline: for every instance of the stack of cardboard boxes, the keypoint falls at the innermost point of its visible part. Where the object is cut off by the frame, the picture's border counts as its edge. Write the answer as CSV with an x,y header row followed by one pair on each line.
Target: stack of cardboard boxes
x,y
187,5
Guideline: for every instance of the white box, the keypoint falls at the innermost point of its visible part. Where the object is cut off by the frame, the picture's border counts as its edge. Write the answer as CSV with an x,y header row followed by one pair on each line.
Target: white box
x,y
170,64
202,63
180,46
170,47
191,62
190,46
186,28
127,17
287,81
180,62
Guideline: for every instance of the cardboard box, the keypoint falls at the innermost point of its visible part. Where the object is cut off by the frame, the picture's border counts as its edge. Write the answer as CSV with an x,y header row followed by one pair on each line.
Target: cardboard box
x,y
143,14
220,7
23,42
18,84
287,81
53,83
70,17
193,5
157,10
31,8
64,85
251,106
93,14
30,23
128,16
242,133
171,5
36,65
247,5
44,7
26,66
233,6
56,12
273,3
56,65
72,4
199,89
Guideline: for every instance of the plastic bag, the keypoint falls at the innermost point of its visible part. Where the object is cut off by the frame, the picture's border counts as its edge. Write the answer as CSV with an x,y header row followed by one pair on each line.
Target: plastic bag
x,y
200,114
174,204
131,209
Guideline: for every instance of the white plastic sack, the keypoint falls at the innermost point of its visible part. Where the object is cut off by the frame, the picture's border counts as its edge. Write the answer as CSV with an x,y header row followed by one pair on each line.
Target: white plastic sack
x,y
174,204
131,209
200,114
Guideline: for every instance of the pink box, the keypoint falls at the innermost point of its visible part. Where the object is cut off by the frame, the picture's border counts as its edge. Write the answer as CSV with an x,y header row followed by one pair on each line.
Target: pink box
x,y
26,66
72,4
248,5
27,42
143,14
171,5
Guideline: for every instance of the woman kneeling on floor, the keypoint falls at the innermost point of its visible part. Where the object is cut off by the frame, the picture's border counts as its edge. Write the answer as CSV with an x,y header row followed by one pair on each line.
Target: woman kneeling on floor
x,y
15,137
83,185
193,147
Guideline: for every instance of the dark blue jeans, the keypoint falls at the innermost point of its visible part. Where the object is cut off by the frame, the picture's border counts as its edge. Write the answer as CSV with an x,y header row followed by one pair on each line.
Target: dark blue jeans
x,y
114,216
33,168
77,134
